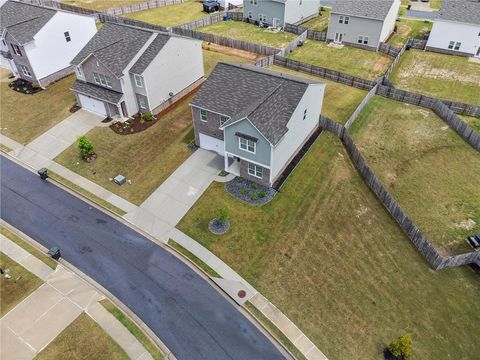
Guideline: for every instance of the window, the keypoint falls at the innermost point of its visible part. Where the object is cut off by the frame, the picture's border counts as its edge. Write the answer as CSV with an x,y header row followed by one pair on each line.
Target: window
x,y
247,145
16,50
223,120
362,39
451,44
142,103
255,170
138,80
5,44
25,71
79,72
340,19
253,2
365,40
457,46
347,19
249,14
262,17
454,45
67,36
203,115
304,114
103,80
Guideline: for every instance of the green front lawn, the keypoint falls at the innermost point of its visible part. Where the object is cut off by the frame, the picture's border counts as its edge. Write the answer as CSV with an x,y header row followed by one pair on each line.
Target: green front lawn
x,y
444,76
83,339
172,15
407,29
320,23
21,284
248,32
333,260
101,4
353,61
431,171
24,117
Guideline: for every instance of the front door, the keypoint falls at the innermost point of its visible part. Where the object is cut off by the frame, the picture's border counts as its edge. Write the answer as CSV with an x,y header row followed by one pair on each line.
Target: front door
x,y
124,109
338,38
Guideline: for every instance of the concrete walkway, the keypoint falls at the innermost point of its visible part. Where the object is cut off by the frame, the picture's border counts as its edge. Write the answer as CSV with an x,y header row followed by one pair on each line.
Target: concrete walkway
x,y
31,325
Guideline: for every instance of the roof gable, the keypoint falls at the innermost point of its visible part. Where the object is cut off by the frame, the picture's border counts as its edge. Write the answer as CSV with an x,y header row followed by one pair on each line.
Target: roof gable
x,y
374,9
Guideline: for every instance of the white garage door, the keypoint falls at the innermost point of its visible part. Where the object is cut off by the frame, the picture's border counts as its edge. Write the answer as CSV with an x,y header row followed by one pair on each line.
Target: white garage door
x,y
93,105
210,143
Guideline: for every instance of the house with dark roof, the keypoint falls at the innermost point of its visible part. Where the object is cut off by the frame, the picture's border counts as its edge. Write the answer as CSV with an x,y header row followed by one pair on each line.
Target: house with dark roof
x,y
362,23
456,29
38,43
124,70
257,119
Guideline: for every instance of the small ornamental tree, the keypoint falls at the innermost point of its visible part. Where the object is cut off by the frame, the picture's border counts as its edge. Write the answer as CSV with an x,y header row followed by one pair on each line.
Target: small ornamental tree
x,y
222,215
85,146
402,346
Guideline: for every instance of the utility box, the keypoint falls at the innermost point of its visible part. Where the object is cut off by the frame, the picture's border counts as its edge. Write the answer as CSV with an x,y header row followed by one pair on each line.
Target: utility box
x,y
43,172
54,253
119,179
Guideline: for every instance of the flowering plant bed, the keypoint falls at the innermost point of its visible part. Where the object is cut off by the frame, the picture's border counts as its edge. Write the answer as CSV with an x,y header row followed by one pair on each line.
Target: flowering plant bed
x,y
25,87
137,123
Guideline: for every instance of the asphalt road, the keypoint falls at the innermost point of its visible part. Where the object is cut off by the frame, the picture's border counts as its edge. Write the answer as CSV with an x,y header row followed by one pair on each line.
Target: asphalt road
x,y
191,318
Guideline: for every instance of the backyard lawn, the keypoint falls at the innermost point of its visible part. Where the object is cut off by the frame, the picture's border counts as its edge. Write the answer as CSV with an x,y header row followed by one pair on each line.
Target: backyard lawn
x,y
444,76
224,54
249,32
101,4
353,61
332,259
172,15
319,23
431,171
83,339
474,122
407,29
24,117
21,284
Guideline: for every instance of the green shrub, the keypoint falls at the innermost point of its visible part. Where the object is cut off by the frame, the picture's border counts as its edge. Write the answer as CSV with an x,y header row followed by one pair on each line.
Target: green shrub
x,y
85,146
244,191
255,186
35,85
222,215
262,194
148,117
254,197
402,346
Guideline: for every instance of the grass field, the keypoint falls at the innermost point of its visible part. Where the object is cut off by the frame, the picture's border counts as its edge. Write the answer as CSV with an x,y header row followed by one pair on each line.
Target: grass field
x,y
24,117
319,23
443,76
331,258
81,340
407,29
249,32
171,15
340,101
353,61
21,284
429,169
101,4
222,54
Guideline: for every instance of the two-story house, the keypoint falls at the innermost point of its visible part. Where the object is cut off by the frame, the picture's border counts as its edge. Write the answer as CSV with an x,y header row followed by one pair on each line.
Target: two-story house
x,y
456,30
38,43
361,23
124,70
257,119
277,13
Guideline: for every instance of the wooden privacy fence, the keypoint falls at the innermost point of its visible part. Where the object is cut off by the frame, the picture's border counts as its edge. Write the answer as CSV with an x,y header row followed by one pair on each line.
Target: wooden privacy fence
x,y
418,44
293,44
61,6
395,62
389,50
311,34
265,61
360,107
325,73
434,258
121,20
152,4
209,20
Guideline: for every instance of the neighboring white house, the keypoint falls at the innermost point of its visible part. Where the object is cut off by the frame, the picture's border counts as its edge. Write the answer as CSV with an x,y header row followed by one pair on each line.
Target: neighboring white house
x,y
38,43
362,23
277,13
124,70
257,119
456,30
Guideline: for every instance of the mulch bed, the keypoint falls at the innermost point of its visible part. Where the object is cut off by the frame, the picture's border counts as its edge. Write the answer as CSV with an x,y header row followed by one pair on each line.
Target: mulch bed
x,y
250,192
134,125
389,356
218,227
89,158
24,87
74,108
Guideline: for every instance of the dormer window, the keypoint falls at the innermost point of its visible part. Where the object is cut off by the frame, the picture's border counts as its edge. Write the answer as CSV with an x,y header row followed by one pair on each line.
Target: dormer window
x,y
67,36
138,80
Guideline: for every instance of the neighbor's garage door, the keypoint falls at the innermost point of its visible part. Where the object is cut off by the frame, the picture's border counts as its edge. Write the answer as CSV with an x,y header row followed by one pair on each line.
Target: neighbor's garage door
x,y
210,143
93,105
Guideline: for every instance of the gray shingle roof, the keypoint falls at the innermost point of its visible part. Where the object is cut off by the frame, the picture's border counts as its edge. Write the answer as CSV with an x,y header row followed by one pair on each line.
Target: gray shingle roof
x,y
150,53
267,98
374,9
115,46
460,11
23,21
97,92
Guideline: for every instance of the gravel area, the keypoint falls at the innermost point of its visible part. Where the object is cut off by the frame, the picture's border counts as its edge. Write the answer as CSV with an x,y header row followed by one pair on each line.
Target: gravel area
x,y
218,227
250,192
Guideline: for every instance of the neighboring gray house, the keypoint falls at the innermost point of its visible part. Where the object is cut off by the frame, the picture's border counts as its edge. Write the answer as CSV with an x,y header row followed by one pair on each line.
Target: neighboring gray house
x,y
38,44
124,70
277,13
257,119
362,23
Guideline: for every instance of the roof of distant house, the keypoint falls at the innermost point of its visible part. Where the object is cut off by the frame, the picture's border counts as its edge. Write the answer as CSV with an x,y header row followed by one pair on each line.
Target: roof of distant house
x,y
23,21
374,9
460,11
267,98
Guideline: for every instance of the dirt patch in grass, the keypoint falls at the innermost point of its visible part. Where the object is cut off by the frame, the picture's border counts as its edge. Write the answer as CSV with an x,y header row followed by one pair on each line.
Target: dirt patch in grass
x,y
83,339
21,284
428,168
212,58
240,54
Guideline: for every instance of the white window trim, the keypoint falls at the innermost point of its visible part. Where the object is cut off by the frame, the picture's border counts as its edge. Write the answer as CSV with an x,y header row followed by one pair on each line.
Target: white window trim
x,y
346,20
246,148
202,113
305,114
138,80
340,19
255,167
26,71
102,80
459,44
16,50
141,101
223,117
68,38
79,72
